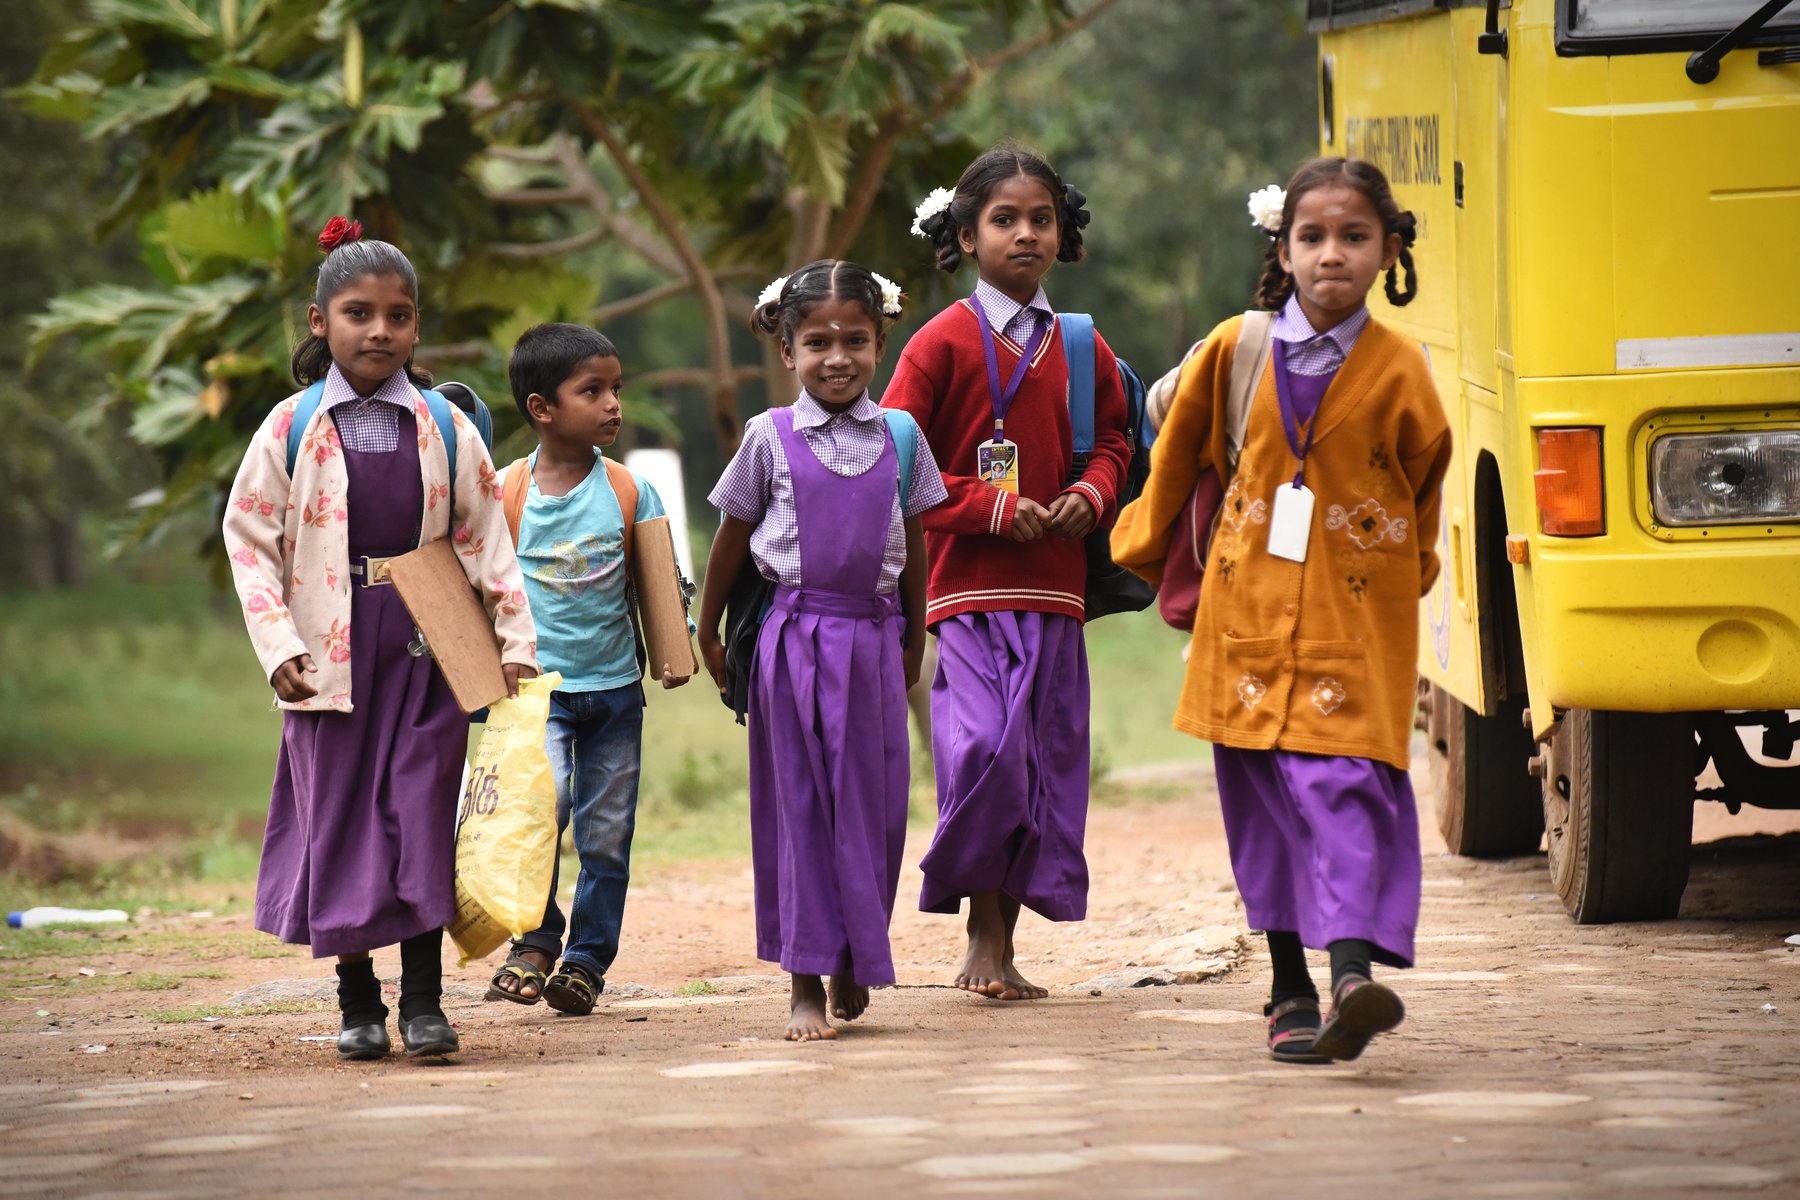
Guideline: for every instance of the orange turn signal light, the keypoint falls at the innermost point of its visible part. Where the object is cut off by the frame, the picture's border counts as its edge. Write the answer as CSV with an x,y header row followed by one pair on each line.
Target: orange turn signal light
x,y
1570,483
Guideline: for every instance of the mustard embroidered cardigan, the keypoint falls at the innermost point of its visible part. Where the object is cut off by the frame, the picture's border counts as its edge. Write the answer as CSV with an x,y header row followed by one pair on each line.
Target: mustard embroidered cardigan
x,y
1318,656
290,547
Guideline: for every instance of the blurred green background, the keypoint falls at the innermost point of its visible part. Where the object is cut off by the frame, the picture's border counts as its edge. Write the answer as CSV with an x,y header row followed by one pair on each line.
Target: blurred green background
x,y
165,164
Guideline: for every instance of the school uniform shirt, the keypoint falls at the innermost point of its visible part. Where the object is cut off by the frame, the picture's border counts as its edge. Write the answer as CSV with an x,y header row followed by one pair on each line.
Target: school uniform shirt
x,y
756,487
287,538
1317,656
1310,352
572,553
942,380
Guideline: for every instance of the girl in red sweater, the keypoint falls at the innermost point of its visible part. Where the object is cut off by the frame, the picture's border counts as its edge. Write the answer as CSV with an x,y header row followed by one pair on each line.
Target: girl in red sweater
x,y
988,384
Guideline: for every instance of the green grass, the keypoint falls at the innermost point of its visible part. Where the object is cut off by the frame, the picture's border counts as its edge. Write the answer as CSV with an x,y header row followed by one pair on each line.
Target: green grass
x,y
697,987
199,1012
137,711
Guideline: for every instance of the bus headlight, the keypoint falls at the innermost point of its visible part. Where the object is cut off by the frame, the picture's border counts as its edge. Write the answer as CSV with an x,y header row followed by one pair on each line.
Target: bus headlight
x,y
1740,478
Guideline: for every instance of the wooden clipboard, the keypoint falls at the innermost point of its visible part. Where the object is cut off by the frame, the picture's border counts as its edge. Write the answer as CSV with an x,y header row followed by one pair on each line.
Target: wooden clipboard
x,y
662,608
458,632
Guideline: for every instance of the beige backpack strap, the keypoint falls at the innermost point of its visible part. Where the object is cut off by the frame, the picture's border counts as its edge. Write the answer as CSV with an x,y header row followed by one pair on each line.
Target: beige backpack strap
x,y
1248,362
1162,392
624,486
512,496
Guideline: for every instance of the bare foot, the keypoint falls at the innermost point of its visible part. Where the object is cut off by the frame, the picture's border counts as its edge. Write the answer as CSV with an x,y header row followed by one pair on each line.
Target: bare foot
x,y
849,999
982,969
1017,986
807,1021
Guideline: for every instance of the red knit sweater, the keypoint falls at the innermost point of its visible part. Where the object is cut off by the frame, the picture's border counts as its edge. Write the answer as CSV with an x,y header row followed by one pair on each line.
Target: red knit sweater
x,y
942,381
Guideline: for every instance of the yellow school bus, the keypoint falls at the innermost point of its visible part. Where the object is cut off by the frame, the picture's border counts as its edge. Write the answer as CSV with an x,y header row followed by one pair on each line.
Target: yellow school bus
x,y
1608,194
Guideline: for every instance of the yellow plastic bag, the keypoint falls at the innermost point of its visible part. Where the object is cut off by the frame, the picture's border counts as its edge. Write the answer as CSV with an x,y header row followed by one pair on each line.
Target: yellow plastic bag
x,y
506,837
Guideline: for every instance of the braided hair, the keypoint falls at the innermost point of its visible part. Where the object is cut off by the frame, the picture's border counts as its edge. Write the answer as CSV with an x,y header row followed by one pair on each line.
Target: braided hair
x,y
979,181
812,285
1363,176
348,258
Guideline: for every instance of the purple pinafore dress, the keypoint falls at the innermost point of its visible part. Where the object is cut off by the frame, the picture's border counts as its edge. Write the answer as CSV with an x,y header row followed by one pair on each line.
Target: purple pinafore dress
x,y
828,742
360,848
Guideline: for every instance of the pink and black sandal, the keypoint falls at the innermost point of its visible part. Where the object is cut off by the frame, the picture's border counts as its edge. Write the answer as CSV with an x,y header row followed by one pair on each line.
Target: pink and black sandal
x,y
1293,1024
1360,1009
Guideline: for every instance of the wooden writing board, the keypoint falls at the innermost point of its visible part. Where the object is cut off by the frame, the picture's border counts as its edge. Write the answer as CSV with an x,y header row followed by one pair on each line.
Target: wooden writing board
x,y
457,629
661,606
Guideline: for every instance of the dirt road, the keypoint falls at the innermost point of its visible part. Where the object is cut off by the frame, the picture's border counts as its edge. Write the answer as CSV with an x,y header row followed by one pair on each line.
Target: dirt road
x,y
1538,1059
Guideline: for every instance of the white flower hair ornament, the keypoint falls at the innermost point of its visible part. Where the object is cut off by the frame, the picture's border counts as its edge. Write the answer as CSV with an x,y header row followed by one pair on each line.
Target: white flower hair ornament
x,y
890,294
929,207
772,293
1265,208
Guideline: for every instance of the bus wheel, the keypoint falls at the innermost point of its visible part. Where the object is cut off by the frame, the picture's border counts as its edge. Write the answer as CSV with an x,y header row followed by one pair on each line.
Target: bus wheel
x,y
1619,813
1487,802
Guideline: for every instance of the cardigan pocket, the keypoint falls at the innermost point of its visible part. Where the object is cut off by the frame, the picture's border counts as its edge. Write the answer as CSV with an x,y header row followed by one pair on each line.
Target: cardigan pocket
x,y
1252,666
1333,678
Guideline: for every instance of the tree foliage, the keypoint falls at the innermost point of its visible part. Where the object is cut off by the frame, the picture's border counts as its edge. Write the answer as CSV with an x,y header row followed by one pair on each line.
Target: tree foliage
x,y
1167,115
538,160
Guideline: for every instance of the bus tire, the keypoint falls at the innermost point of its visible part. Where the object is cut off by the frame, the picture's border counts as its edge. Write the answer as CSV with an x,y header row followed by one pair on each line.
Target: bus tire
x,y
1619,813
1488,805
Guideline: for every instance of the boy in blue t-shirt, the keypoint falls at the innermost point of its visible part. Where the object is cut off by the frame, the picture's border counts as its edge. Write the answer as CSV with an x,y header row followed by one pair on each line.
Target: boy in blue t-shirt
x,y
572,535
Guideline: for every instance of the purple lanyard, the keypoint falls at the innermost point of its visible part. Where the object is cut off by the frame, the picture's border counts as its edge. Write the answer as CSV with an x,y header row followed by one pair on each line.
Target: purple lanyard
x,y
1003,400
1290,422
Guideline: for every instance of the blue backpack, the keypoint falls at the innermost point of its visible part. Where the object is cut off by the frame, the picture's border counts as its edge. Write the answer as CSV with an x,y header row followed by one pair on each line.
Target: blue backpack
x,y
1110,587
438,400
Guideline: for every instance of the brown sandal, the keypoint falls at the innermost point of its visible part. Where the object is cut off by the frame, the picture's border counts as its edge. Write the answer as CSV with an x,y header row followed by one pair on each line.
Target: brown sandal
x,y
517,966
572,990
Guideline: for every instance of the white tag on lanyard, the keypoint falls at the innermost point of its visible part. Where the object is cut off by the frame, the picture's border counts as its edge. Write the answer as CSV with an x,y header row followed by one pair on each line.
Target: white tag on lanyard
x,y
1290,524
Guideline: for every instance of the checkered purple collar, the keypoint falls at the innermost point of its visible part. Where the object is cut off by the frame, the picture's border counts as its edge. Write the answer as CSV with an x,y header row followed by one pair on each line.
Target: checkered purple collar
x,y
809,413
1292,327
396,390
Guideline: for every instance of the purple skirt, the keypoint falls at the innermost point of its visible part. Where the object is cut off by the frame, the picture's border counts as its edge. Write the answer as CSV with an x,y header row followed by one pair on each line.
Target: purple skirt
x,y
828,782
1325,847
360,848
1009,731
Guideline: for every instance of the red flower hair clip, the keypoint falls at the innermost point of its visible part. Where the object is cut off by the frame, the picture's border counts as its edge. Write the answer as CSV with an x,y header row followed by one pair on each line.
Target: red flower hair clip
x,y
339,231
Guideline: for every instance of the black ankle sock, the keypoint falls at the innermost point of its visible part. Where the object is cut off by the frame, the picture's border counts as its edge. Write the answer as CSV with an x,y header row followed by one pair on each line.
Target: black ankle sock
x,y
359,994
1288,957
1350,956
422,975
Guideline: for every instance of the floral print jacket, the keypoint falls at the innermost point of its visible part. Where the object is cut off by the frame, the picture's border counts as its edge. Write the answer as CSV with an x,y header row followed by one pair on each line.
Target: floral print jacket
x,y
289,544
1320,656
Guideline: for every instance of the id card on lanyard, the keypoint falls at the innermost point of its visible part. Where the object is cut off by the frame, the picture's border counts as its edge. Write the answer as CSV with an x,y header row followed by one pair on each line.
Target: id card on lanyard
x,y
1290,521
997,459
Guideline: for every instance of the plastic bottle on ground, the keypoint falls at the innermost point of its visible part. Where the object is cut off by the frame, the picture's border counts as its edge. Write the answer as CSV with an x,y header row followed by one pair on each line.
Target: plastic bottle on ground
x,y
31,918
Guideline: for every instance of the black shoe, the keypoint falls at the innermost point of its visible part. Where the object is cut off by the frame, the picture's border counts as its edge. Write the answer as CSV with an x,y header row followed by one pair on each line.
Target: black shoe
x,y
429,1036
364,1041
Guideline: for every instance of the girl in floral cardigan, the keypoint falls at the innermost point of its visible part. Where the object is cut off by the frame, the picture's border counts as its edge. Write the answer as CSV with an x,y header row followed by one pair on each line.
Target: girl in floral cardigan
x,y
360,844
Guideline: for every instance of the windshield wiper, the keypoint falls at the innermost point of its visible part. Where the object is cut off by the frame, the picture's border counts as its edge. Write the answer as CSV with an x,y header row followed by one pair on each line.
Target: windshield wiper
x,y
1703,65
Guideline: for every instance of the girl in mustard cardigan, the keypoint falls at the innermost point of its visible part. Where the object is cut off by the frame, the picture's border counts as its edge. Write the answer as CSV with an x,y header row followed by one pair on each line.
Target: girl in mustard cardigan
x,y
1302,667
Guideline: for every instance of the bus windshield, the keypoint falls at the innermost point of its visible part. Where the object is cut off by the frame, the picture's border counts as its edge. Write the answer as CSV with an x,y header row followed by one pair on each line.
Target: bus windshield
x,y
1637,18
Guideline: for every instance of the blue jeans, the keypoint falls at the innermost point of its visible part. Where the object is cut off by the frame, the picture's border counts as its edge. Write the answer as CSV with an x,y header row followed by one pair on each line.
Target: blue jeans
x,y
594,740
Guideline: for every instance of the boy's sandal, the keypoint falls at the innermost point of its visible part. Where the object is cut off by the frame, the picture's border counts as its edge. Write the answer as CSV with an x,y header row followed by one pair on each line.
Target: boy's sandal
x,y
572,990
1293,1024
1360,1009
520,968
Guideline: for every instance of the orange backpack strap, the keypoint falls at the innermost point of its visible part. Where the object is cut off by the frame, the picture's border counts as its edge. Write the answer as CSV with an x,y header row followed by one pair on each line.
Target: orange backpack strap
x,y
624,486
512,498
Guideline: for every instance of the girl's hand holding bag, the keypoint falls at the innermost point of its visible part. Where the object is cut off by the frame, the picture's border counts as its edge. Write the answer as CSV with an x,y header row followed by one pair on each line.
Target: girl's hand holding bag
x,y
1184,565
